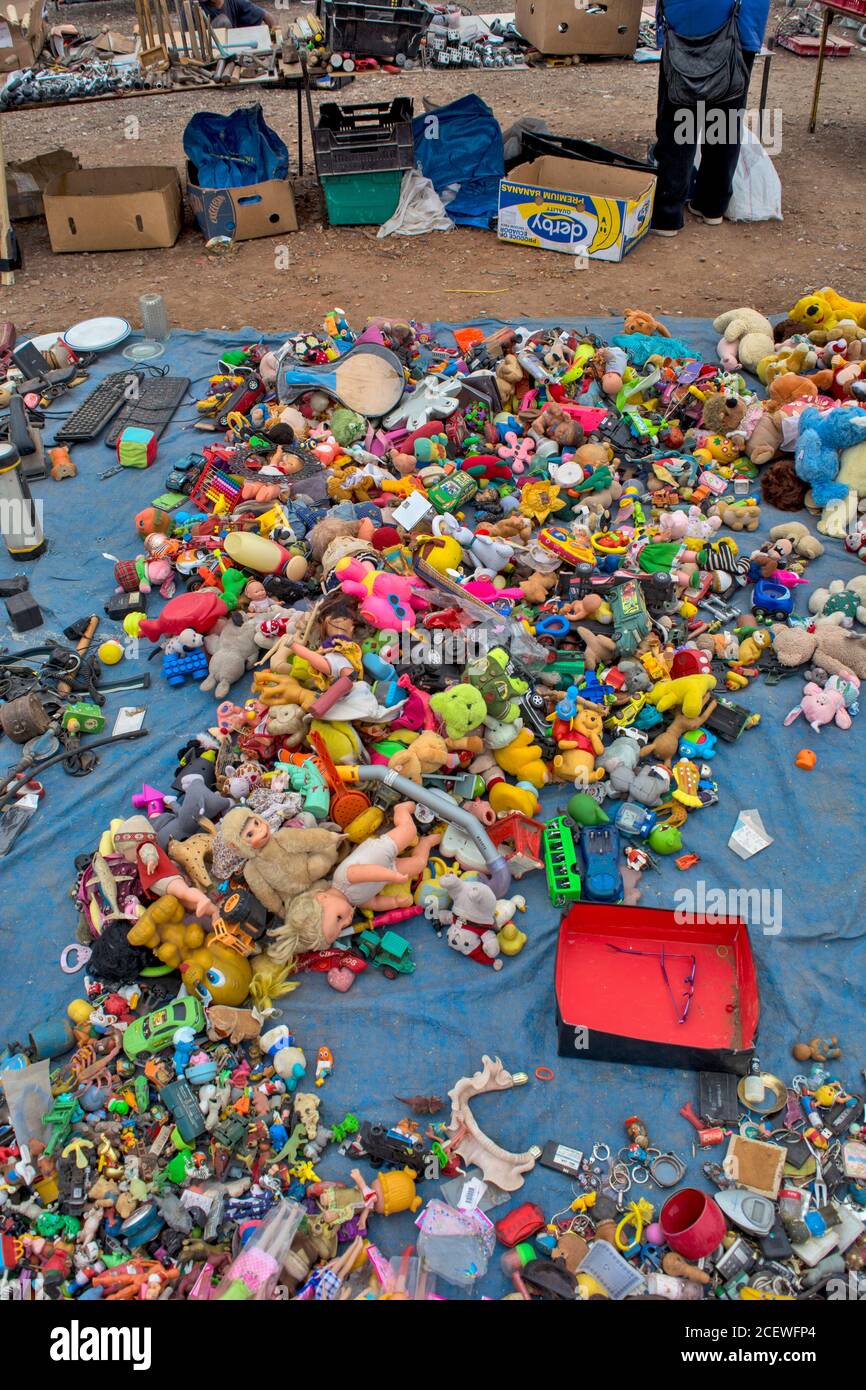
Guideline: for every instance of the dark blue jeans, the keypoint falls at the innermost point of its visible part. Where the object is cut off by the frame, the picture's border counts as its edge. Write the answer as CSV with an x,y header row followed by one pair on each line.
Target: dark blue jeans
x,y
676,143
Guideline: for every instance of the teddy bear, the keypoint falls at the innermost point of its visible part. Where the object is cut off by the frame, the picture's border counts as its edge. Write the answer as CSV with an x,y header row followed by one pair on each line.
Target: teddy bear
x,y
746,337
279,865
823,644
287,723
739,516
510,378
577,731
537,587
232,652
787,358
830,457
841,603
161,928
522,759
598,649
768,435
804,545
478,943
638,321
427,753
461,709
825,309
722,412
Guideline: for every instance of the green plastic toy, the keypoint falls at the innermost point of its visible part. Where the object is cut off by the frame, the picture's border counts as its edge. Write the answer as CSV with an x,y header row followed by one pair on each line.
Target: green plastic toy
x,y
560,856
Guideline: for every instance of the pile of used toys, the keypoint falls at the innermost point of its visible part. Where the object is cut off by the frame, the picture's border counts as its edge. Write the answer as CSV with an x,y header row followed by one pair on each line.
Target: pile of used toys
x,y
424,581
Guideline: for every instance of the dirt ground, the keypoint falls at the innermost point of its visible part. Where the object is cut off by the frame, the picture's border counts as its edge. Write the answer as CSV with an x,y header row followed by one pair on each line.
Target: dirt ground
x,y
464,273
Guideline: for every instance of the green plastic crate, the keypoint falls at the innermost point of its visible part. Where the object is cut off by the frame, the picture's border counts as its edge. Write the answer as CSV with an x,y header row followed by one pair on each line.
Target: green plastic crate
x,y
362,199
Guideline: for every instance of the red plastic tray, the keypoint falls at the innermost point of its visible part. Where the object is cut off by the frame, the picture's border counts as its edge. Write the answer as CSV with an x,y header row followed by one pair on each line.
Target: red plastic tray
x,y
616,1007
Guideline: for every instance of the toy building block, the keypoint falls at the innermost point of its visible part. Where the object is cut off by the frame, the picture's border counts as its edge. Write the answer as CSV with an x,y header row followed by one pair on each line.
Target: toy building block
x,y
136,448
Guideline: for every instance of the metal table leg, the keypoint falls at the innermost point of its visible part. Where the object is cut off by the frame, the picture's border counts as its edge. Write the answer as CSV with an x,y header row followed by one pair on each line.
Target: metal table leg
x,y
825,29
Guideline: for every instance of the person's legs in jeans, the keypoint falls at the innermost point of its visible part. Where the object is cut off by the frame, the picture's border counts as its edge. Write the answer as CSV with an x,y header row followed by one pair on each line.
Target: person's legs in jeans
x,y
720,152
676,142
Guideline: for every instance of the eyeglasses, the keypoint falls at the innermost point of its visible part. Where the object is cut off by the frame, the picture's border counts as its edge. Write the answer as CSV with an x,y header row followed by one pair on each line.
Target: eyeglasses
x,y
681,1007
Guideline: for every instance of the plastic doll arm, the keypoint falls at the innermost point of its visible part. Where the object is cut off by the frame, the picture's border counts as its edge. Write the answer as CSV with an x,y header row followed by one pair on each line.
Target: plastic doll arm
x,y
149,856
315,659
372,873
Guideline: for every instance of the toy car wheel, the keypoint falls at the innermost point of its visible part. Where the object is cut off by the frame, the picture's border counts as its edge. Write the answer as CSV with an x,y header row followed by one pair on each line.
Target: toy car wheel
x,y
389,972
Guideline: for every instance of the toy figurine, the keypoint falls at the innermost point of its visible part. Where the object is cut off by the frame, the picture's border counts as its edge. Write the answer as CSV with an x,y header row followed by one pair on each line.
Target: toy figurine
x,y
315,919
280,864
135,840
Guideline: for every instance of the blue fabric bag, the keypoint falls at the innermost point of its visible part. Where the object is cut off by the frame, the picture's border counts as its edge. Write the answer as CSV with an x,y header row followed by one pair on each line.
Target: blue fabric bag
x,y
234,151
462,144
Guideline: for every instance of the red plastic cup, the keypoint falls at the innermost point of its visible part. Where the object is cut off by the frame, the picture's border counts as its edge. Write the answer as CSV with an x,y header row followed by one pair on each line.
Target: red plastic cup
x,y
692,1223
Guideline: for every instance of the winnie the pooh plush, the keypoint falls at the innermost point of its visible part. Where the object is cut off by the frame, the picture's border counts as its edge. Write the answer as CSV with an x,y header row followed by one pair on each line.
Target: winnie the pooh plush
x,y
825,308
746,337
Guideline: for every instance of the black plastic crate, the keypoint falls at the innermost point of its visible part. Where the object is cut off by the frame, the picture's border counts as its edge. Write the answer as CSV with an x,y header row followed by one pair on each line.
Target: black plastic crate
x,y
364,138
375,30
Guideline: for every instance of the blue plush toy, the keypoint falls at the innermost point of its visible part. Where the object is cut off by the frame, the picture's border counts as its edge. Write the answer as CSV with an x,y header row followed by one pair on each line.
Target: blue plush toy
x,y
822,437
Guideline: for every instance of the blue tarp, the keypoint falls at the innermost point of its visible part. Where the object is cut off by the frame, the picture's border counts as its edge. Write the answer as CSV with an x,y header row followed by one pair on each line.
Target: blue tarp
x,y
234,151
420,1033
462,144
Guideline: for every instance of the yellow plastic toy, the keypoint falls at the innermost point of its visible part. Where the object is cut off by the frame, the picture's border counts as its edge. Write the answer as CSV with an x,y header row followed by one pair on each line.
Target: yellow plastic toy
x,y
522,759
203,962
504,797
825,308
687,692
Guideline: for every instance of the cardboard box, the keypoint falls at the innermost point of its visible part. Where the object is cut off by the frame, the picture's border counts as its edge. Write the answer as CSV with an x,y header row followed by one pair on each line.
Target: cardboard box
x,y
255,210
576,206
22,34
134,208
27,178
566,26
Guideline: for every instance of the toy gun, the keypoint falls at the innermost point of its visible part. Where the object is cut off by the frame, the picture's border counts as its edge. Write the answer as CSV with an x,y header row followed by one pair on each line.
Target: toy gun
x,y
60,1118
306,777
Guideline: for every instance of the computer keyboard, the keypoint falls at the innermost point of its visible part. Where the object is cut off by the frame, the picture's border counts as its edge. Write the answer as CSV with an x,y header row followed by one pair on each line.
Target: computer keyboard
x,y
157,402
101,406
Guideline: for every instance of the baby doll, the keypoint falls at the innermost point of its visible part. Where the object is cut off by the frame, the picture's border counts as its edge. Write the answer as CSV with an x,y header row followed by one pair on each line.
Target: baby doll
x,y
279,865
315,919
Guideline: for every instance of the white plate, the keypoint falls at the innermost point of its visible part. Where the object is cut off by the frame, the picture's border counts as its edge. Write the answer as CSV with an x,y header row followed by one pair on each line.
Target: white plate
x,y
97,335
43,342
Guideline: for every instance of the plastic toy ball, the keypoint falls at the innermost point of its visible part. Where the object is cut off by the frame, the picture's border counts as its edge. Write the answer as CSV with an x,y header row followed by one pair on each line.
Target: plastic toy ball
x,y
132,624
110,653
79,1010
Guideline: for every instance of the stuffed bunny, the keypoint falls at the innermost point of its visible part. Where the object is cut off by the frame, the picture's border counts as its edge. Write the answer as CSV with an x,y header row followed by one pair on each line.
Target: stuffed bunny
x,y
821,706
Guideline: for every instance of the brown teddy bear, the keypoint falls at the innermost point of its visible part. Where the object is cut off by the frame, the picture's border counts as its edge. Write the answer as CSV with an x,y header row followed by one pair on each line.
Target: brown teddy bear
x,y
745,517
805,545
638,321
511,379
723,413
536,587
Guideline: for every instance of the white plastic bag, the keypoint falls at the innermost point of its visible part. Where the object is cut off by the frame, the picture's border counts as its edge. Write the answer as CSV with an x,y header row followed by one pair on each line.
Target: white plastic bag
x,y
419,210
757,195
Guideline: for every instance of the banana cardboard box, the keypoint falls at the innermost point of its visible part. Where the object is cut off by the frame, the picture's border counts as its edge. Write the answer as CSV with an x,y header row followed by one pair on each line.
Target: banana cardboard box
x,y
576,206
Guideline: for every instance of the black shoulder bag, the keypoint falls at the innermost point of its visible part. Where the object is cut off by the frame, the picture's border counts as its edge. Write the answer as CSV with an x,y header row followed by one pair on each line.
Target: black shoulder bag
x,y
710,69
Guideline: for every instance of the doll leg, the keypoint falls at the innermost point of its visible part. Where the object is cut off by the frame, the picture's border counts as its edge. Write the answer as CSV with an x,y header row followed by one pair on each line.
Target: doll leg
x,y
384,902
405,832
414,864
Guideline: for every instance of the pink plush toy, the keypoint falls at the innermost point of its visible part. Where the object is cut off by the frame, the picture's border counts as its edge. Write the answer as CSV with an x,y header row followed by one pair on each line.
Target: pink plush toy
x,y
821,706
386,601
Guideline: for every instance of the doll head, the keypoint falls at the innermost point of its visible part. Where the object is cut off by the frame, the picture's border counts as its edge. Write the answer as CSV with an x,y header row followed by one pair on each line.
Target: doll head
x,y
312,923
244,831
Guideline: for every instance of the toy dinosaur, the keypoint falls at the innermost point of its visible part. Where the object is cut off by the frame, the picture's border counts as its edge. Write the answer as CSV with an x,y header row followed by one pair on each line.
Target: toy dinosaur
x,y
422,1105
